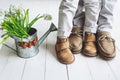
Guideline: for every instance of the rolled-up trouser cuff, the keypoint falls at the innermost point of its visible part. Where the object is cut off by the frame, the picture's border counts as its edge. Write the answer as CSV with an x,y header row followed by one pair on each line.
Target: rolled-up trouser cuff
x,y
67,11
91,1
105,30
91,16
90,29
63,34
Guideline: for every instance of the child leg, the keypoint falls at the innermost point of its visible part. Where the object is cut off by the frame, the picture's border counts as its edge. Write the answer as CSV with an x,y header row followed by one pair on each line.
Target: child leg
x,y
92,9
66,13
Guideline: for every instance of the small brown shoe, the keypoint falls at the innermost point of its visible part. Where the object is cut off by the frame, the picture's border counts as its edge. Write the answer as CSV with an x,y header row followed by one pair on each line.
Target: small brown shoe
x,y
75,40
106,45
63,52
89,48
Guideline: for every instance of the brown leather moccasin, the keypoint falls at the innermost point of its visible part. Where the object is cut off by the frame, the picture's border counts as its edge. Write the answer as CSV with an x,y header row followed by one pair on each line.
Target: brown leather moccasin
x,y
75,40
106,45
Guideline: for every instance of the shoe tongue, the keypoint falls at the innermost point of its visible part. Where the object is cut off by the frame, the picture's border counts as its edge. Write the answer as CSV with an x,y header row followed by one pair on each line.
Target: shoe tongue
x,y
76,30
89,34
89,37
105,35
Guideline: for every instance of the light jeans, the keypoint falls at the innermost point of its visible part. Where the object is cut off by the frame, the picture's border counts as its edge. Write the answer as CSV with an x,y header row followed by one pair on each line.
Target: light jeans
x,y
105,19
67,12
92,10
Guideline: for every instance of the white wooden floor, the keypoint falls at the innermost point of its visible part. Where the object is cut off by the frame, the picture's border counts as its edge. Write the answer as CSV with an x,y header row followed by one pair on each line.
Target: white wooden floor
x,y
45,66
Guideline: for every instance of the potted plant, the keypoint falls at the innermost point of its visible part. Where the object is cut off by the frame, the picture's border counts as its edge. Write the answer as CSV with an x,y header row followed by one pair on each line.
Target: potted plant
x,y
16,24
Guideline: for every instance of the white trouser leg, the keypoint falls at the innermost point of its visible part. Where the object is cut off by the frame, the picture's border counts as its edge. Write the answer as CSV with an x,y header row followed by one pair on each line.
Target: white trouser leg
x,y
66,13
79,16
92,10
106,15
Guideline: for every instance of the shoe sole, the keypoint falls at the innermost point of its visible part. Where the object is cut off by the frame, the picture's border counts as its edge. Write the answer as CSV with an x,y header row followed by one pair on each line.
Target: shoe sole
x,y
89,55
76,51
66,62
105,57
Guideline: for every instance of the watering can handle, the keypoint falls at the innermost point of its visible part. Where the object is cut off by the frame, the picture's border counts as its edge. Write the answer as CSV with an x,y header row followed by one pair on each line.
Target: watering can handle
x,y
9,47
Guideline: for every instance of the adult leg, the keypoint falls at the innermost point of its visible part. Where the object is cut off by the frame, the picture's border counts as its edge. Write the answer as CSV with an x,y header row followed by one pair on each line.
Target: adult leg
x,y
106,16
105,44
75,38
79,18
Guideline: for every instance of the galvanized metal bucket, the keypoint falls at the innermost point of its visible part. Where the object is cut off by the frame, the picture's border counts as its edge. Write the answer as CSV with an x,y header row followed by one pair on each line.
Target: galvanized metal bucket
x,y
30,51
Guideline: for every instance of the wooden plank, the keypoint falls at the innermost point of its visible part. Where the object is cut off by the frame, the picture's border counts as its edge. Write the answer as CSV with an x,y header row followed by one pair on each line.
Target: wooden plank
x,y
11,66
35,67
3,57
54,69
99,69
79,69
12,70
115,65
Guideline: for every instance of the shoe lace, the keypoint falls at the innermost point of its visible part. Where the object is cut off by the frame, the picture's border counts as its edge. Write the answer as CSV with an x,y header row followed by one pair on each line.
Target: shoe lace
x,y
107,37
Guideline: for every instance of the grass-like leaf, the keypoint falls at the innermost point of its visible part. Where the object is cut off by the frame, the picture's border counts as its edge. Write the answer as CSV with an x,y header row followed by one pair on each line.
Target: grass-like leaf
x,y
16,22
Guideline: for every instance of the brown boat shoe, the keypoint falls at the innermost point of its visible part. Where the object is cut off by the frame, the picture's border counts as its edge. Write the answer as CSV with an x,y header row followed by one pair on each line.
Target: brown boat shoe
x,y
63,51
89,45
75,40
106,45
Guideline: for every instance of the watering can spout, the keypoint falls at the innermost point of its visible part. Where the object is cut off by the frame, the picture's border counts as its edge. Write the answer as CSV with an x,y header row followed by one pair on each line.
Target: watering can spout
x,y
51,29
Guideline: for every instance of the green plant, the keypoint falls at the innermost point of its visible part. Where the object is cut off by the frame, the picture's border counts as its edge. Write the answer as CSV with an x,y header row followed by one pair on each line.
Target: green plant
x,y
16,22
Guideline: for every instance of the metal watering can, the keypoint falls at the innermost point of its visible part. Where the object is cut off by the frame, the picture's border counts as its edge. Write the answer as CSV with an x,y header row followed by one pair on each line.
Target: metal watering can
x,y
28,47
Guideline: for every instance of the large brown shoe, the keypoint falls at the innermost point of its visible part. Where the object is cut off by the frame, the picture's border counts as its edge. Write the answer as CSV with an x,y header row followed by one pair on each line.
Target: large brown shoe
x,y
75,40
64,54
89,48
106,45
